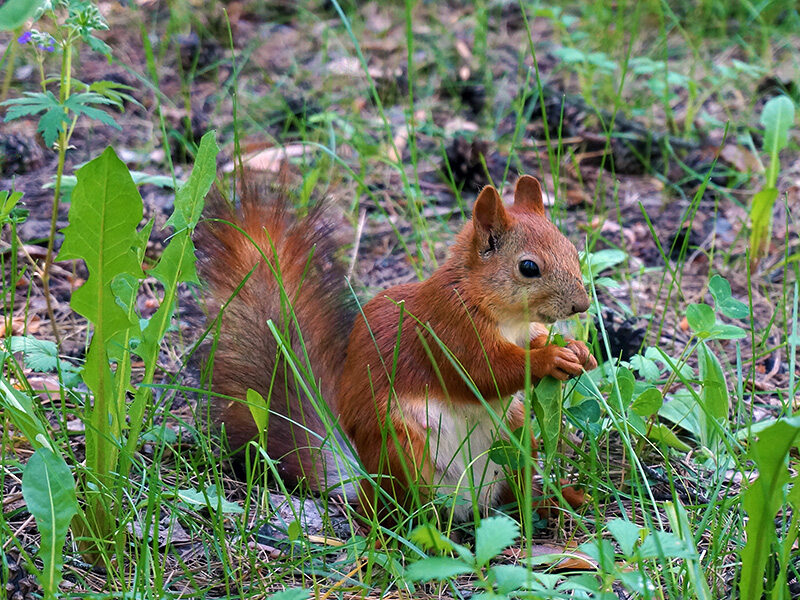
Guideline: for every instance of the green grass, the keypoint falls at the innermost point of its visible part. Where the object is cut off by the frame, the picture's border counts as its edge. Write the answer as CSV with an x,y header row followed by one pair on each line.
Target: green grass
x,y
681,472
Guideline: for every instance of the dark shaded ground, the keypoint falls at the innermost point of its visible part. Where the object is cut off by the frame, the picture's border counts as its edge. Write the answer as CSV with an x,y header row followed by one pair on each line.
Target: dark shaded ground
x,y
295,70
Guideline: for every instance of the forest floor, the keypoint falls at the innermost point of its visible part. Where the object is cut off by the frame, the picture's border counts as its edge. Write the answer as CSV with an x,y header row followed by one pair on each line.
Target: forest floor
x,y
644,132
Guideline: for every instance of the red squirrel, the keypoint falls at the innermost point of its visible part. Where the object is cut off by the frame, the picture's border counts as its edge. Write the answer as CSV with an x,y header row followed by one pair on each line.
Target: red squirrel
x,y
414,418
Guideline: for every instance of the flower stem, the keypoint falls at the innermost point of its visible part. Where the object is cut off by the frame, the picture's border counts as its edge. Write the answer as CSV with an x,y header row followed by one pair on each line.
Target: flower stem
x,y
63,142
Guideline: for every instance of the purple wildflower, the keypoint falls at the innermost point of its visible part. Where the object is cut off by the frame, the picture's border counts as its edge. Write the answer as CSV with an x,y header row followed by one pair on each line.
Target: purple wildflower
x,y
50,46
25,37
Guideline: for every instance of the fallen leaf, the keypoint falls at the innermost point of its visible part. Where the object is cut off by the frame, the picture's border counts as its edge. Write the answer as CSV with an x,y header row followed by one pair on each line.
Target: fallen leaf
x,y
463,50
346,65
741,159
558,558
35,251
327,541
457,124
577,196
269,159
45,385
19,326
395,151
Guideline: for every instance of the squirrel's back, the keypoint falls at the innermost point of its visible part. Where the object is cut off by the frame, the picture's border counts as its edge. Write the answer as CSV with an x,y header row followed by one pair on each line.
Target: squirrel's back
x,y
285,272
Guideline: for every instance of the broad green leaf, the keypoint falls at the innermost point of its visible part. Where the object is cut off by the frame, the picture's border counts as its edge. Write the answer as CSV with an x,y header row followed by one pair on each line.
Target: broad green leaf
x,y
623,390
547,406
714,396
49,491
663,544
724,331
763,498
777,117
600,550
755,428
587,411
793,497
19,406
761,220
599,261
492,536
15,13
646,367
258,408
139,178
427,537
626,533
177,262
636,423
81,104
510,578
294,530
436,568
176,266
105,211
730,307
659,432
679,523
701,317
113,91
51,123
189,199
505,453
8,200
657,354
570,55
98,45
636,582
601,60
40,355
291,594
682,409
719,287
210,500
733,308
160,434
606,282
125,288
648,402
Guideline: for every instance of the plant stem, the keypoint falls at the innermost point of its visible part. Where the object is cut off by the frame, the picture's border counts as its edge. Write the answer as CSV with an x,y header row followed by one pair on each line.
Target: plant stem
x,y
12,57
63,141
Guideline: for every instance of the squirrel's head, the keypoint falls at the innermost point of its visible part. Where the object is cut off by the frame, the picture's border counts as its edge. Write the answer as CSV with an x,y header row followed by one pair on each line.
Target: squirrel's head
x,y
524,267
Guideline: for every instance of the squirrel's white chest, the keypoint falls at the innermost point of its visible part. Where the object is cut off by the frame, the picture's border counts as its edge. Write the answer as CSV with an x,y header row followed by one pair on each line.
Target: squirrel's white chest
x,y
520,332
459,438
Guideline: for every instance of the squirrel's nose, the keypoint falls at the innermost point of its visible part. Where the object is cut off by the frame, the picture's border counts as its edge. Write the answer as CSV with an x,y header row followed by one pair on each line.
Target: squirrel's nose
x,y
580,305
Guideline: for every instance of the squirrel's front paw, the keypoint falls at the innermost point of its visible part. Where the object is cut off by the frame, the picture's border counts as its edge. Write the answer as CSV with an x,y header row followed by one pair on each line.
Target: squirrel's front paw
x,y
582,352
561,363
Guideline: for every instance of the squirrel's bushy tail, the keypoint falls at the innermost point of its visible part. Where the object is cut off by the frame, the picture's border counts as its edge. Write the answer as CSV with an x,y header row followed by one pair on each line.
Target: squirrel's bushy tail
x,y
290,276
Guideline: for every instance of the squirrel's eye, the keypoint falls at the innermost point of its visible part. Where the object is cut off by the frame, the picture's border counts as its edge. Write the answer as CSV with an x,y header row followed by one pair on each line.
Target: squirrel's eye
x,y
528,268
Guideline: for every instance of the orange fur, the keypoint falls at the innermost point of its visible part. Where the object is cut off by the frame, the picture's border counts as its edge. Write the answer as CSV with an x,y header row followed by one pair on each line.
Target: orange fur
x,y
398,368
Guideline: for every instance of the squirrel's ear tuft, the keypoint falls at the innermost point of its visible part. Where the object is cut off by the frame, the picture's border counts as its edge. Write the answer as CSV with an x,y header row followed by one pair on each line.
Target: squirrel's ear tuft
x,y
528,195
489,217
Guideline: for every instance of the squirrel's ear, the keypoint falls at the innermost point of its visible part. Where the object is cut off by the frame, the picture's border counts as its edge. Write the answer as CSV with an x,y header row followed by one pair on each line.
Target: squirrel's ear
x,y
489,217
528,195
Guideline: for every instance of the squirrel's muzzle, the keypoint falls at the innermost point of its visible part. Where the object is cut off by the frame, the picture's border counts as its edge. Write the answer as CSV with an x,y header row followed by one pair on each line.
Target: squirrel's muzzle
x,y
581,302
